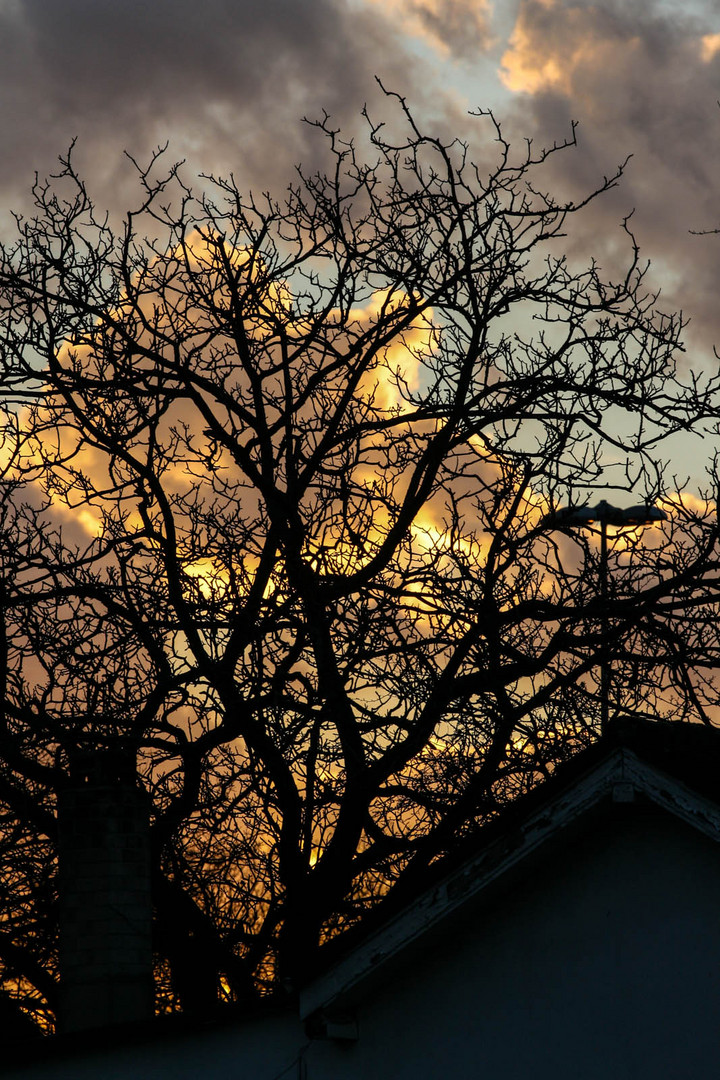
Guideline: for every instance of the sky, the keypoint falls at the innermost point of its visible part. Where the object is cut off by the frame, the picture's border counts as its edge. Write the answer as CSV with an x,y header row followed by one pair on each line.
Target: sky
x,y
227,83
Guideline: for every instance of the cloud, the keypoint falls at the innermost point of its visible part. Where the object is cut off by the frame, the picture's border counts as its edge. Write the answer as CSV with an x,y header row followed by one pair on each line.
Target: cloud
x,y
540,58
709,47
455,28
227,82
641,80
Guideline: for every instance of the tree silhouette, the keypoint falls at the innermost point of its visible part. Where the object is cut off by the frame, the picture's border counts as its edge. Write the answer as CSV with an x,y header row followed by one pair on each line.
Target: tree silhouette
x,y
275,482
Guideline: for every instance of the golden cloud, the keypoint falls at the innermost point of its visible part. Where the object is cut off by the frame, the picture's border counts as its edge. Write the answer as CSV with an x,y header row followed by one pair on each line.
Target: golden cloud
x,y
709,47
524,71
545,51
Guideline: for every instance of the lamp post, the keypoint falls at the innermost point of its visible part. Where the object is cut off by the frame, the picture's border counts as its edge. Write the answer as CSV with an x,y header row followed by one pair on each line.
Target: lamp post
x,y
602,515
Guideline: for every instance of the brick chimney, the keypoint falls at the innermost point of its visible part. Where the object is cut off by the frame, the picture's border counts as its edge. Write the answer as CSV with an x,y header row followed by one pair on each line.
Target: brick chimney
x,y
105,912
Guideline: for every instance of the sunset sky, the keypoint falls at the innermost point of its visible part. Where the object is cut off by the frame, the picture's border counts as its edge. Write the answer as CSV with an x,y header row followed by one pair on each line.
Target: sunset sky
x,y
227,82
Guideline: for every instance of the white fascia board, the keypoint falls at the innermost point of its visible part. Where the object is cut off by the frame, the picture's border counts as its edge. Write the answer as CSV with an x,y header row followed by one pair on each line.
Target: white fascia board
x,y
670,794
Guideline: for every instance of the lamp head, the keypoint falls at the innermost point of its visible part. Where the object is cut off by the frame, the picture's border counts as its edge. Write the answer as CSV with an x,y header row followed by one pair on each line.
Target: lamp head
x,y
605,513
643,515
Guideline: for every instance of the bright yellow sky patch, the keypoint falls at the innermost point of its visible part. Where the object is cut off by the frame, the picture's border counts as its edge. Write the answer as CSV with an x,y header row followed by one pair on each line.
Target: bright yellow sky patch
x,y
709,47
401,362
208,576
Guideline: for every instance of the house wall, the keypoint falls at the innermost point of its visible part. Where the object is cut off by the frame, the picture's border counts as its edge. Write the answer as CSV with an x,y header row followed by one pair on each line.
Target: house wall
x,y
603,962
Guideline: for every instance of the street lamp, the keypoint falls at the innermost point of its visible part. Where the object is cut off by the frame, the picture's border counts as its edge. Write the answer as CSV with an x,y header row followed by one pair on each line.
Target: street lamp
x,y
585,517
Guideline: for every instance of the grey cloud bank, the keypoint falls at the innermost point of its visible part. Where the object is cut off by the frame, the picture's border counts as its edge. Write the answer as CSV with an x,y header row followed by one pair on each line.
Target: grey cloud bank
x,y
226,83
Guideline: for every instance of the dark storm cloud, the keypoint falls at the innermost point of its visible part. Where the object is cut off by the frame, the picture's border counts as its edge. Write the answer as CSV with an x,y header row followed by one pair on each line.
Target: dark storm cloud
x,y
641,81
226,82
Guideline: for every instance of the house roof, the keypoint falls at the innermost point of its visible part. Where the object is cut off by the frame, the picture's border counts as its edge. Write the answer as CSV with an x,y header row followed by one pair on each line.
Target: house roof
x,y
672,767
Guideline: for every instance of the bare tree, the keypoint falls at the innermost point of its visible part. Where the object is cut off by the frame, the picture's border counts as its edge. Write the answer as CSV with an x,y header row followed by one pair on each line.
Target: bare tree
x,y
276,476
